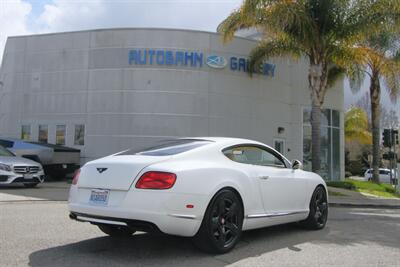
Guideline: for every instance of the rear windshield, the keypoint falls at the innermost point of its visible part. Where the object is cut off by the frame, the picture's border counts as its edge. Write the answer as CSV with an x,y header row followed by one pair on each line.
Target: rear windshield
x,y
168,148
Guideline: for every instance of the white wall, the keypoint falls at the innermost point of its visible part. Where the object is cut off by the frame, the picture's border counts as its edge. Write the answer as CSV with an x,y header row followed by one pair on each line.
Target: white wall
x,y
84,77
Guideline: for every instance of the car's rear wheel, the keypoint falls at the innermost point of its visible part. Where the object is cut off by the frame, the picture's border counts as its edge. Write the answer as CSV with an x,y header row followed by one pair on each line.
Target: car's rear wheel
x,y
318,215
221,227
116,231
30,185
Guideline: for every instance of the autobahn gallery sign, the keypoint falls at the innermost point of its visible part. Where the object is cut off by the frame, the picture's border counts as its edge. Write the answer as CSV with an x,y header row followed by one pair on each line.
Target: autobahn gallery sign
x,y
194,59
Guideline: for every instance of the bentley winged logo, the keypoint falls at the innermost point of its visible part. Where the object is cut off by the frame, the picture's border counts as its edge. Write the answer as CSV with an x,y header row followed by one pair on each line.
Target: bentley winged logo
x,y
101,170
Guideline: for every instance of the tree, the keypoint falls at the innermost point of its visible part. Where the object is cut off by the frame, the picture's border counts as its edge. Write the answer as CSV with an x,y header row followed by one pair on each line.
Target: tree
x,y
320,30
389,119
358,140
356,126
379,59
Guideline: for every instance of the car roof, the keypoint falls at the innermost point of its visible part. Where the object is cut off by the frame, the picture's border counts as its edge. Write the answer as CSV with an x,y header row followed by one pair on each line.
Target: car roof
x,y
223,140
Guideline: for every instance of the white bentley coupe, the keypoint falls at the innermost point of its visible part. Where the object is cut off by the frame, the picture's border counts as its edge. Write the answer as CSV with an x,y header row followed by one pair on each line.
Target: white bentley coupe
x,y
210,189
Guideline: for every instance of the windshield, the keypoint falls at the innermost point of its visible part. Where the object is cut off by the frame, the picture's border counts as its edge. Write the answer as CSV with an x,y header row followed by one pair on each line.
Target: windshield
x,y
168,148
5,153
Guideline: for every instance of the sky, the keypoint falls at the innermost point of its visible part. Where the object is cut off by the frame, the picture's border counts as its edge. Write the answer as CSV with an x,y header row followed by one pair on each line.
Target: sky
x,y
22,17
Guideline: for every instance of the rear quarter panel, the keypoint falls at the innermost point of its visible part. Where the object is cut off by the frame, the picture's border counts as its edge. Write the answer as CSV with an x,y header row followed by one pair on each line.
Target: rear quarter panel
x,y
205,178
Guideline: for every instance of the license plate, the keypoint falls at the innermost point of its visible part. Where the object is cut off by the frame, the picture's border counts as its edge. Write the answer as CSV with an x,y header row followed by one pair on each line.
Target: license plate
x,y
28,176
99,197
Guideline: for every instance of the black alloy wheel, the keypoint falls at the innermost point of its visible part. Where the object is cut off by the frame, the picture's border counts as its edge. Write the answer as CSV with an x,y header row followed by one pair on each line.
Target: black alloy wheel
x,y
222,224
321,207
318,215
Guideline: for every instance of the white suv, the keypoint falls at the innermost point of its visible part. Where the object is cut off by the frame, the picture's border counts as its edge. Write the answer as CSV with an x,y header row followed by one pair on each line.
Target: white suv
x,y
15,169
384,175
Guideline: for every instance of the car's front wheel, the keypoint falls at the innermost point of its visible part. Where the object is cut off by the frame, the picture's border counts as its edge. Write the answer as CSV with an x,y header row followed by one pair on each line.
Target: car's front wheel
x,y
116,231
221,227
318,215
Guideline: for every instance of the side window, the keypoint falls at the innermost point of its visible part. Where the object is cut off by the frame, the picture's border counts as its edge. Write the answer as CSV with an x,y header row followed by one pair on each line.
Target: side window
x,y
43,133
79,137
253,155
26,132
60,134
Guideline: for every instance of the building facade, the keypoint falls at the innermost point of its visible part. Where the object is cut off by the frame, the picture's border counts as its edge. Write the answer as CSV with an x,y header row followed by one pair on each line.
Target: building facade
x,y
104,91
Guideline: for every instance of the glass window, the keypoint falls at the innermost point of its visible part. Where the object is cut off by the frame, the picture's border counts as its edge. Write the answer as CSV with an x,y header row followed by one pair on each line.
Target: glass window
x,y
325,152
25,132
335,154
79,137
5,153
60,134
253,155
335,118
279,146
307,147
43,133
306,115
168,147
326,117
330,143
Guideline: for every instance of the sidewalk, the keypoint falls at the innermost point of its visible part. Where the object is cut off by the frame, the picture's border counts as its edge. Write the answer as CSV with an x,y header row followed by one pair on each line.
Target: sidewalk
x,y
357,199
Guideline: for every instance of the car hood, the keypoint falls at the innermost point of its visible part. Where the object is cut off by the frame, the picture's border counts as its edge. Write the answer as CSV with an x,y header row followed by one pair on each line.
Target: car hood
x,y
18,161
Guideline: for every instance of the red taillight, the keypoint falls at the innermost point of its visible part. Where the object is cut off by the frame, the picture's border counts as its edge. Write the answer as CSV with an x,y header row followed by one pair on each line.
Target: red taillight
x,y
156,180
76,176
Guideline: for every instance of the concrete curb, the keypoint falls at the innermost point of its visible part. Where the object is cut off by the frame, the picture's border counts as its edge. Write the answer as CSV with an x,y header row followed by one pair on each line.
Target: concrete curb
x,y
368,206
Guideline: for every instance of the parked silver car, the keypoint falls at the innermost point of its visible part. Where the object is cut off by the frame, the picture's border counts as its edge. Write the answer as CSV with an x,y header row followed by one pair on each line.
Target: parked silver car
x,y
15,169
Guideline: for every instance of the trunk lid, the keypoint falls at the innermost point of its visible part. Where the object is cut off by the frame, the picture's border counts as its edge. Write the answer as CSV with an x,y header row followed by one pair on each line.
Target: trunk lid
x,y
115,172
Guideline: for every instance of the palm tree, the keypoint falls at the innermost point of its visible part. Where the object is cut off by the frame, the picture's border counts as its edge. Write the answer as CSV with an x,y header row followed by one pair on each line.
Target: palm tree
x,y
356,126
319,30
379,56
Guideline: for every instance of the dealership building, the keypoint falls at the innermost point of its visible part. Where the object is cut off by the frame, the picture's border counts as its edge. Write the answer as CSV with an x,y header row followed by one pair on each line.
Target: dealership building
x,y
103,91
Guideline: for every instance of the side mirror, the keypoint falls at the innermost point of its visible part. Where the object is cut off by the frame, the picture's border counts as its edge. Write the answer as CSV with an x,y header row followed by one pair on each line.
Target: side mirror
x,y
296,164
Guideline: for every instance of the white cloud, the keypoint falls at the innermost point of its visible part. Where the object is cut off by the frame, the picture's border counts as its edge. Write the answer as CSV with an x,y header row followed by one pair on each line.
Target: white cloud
x,y
63,15
13,20
72,15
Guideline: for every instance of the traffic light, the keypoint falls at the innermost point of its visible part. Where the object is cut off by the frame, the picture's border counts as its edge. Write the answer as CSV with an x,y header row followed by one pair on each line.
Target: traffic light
x,y
395,137
386,138
388,156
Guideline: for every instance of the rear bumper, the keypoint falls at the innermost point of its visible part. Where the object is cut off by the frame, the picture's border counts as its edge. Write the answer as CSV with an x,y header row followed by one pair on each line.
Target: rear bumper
x,y
145,210
137,225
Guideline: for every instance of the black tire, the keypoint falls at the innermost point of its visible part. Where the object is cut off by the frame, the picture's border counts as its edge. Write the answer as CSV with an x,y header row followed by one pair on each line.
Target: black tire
x,y
116,231
30,185
221,227
318,215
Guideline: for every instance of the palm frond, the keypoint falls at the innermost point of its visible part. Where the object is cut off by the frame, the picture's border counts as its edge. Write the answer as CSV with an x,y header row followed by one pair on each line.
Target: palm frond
x,y
335,73
390,71
272,48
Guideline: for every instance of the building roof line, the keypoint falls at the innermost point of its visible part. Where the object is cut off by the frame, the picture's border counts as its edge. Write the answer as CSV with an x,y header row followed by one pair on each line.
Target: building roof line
x,y
128,28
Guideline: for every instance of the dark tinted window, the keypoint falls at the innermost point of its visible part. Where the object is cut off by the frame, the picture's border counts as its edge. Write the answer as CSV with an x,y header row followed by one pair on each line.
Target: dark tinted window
x,y
168,148
5,143
383,172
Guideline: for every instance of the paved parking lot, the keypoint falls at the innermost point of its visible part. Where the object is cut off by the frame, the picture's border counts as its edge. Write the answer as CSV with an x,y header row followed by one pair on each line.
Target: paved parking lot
x,y
39,233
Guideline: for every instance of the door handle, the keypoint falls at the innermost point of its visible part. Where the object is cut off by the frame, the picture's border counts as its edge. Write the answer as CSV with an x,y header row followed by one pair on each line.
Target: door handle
x,y
264,177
